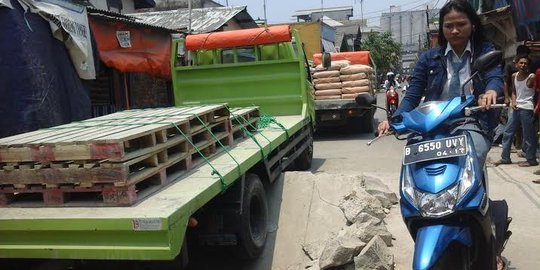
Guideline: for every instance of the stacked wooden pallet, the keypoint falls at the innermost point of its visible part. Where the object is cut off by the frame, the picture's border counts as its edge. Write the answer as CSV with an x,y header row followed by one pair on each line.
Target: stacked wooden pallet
x,y
113,159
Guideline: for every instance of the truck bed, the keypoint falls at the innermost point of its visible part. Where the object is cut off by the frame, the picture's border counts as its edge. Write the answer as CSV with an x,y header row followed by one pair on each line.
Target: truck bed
x,y
153,229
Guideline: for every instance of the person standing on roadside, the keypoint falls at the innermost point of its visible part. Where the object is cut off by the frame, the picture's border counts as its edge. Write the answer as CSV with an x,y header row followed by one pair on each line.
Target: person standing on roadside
x,y
509,69
522,104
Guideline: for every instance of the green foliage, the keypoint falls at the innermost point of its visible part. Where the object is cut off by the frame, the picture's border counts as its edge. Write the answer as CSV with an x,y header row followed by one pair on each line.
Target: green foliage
x,y
384,51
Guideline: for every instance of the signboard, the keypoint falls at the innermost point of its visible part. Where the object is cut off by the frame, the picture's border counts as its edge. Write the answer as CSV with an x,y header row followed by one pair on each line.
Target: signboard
x,y
68,20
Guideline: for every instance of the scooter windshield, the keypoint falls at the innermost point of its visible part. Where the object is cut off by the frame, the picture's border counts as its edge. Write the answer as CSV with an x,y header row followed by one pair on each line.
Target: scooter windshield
x,y
429,115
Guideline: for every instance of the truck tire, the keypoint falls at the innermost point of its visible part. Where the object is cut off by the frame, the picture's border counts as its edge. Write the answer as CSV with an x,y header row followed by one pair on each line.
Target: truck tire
x,y
253,219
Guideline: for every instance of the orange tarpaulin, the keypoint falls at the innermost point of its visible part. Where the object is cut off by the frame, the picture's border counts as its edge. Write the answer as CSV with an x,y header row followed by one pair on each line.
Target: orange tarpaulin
x,y
359,57
145,49
238,38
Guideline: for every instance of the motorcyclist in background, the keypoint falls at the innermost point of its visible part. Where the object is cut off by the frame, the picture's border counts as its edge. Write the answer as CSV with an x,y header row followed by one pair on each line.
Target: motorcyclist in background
x,y
391,81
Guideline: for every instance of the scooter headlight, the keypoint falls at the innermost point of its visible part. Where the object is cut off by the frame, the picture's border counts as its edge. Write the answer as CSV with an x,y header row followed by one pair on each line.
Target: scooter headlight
x,y
442,203
467,177
437,205
407,186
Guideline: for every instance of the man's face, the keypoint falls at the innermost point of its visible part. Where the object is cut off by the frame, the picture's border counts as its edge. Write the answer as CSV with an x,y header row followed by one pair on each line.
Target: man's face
x,y
522,64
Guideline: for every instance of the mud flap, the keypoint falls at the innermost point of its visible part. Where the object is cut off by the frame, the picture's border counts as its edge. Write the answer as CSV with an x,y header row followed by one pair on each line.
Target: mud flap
x,y
432,241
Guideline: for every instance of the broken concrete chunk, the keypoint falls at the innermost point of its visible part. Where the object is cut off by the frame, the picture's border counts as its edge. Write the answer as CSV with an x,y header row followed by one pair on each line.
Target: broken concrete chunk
x,y
377,188
340,251
361,202
376,255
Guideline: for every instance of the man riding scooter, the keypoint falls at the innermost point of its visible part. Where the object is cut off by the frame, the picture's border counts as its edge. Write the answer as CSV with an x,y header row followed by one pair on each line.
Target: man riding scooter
x,y
392,97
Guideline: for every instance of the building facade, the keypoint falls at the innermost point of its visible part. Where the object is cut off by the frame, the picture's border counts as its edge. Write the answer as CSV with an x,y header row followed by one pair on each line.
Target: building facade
x,y
410,28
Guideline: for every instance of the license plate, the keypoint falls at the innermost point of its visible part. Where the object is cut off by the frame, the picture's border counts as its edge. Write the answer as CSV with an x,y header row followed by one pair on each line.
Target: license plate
x,y
435,149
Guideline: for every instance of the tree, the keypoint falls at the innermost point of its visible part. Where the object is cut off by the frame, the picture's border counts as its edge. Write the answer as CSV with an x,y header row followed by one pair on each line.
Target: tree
x,y
384,51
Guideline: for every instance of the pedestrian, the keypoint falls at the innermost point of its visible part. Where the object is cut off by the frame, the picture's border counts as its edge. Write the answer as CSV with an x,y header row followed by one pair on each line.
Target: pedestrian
x,y
522,104
440,70
509,69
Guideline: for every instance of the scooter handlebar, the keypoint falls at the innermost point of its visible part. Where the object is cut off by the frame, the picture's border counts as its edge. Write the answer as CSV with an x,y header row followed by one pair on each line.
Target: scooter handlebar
x,y
470,110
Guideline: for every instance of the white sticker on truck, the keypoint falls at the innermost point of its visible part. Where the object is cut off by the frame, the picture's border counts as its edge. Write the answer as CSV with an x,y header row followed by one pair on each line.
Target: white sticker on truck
x,y
146,224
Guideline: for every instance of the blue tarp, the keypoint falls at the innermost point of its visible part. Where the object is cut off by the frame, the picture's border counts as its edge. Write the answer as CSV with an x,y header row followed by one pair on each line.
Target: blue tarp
x,y
39,86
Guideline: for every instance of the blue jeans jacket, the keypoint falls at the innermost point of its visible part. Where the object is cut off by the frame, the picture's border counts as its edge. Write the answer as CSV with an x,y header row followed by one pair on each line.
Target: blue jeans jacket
x,y
430,75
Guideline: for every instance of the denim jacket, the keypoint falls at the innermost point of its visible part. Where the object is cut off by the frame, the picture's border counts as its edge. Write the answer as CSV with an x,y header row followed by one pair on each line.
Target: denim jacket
x,y
430,76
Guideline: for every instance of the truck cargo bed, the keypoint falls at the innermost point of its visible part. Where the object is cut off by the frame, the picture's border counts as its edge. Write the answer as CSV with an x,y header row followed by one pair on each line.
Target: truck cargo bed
x,y
152,229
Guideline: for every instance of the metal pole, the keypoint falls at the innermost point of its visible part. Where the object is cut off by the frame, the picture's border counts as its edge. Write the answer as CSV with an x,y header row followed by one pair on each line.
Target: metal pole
x,y
322,10
189,20
265,19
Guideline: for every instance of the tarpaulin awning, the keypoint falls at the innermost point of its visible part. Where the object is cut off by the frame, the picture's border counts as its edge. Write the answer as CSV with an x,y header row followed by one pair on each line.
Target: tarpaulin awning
x,y
238,38
132,48
359,57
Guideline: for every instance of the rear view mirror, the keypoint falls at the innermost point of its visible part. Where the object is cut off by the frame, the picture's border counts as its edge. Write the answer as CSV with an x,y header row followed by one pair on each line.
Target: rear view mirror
x,y
488,61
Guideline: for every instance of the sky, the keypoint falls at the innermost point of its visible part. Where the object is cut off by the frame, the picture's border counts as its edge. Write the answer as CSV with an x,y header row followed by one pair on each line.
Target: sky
x,y
280,11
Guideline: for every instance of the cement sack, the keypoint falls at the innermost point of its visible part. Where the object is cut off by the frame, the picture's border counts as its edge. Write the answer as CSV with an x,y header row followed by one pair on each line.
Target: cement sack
x,y
328,97
324,86
334,65
326,74
355,90
353,69
353,77
329,92
327,80
357,83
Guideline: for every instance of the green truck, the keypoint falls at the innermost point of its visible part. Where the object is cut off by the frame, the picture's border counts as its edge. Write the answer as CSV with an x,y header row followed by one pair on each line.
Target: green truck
x,y
269,74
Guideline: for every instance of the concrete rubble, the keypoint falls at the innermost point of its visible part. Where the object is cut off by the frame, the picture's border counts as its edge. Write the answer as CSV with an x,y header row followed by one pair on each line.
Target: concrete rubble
x,y
363,242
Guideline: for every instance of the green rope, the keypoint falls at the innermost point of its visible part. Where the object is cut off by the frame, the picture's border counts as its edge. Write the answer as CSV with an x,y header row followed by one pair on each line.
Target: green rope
x,y
267,119
250,134
221,144
214,170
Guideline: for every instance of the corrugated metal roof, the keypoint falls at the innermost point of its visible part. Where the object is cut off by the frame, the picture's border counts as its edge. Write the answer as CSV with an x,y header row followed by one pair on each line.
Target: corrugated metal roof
x,y
113,16
331,22
203,20
303,12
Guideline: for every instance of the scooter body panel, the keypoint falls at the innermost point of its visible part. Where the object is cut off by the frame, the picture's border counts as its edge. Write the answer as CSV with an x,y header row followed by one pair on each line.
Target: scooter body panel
x,y
432,241
464,218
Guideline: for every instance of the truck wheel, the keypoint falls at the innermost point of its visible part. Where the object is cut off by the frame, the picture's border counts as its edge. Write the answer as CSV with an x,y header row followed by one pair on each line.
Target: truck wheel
x,y
253,219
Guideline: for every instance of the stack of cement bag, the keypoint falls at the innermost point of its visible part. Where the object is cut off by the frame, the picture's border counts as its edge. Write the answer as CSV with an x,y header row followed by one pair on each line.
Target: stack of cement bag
x,y
342,80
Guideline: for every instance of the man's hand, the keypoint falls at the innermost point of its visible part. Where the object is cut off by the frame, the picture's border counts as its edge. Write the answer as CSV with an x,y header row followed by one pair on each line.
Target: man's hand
x,y
487,99
383,127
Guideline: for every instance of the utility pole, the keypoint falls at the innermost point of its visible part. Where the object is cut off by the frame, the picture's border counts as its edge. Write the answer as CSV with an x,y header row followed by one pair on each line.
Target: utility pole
x,y
265,19
189,17
427,28
322,10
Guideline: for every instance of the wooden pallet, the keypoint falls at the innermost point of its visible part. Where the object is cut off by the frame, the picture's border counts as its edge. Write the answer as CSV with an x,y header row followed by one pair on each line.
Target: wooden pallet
x,y
244,119
119,136
118,183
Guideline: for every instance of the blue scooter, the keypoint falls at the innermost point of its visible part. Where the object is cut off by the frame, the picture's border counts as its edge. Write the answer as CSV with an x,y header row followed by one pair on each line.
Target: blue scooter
x,y
444,190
